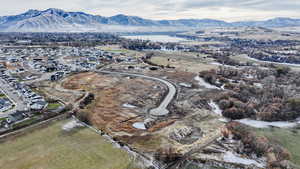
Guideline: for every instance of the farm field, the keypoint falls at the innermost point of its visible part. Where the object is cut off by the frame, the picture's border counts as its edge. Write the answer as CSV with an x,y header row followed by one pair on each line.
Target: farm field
x,y
52,148
188,62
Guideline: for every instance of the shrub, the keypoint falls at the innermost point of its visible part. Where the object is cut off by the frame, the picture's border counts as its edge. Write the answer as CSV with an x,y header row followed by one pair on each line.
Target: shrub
x,y
259,145
294,104
234,113
282,70
225,104
167,154
83,116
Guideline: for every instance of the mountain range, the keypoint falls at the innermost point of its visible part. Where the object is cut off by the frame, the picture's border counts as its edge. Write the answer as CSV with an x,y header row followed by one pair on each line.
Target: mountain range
x,y
56,20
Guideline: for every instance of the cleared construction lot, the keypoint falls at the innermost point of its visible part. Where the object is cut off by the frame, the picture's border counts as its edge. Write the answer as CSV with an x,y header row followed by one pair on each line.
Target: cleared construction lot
x,y
52,148
108,113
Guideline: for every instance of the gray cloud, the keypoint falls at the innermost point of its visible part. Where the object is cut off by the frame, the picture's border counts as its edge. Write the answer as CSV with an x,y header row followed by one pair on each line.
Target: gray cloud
x,y
273,5
169,9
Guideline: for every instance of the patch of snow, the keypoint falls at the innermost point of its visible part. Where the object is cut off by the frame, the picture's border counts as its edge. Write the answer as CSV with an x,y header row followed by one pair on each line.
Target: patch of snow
x,y
185,85
219,64
232,158
298,120
127,105
202,82
223,87
259,85
216,109
264,124
71,125
249,76
224,120
139,125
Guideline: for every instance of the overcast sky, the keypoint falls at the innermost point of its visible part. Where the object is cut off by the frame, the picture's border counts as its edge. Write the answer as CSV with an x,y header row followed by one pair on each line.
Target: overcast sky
x,y
229,10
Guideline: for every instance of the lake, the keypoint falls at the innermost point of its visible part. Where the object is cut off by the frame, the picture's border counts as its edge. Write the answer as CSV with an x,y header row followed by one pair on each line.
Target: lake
x,y
156,38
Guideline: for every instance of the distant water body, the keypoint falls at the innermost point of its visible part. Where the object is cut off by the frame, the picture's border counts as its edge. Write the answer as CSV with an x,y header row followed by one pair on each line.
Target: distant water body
x,y
156,38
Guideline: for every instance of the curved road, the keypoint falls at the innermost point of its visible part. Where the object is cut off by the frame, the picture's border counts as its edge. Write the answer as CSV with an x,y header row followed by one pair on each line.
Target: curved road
x,y
161,110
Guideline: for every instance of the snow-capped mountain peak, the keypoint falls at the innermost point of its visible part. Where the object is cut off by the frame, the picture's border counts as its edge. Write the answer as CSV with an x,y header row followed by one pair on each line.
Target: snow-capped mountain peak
x,y
53,19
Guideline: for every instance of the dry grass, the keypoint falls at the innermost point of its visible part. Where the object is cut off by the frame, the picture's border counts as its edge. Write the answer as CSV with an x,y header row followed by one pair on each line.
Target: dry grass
x,y
107,113
53,148
189,62
118,49
111,92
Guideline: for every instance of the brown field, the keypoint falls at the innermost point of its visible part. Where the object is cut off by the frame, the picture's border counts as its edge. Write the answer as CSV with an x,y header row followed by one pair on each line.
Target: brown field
x,y
55,91
188,62
118,49
107,113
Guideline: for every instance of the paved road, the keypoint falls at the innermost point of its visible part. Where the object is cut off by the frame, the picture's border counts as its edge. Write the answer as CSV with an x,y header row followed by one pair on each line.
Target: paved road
x,y
161,110
14,97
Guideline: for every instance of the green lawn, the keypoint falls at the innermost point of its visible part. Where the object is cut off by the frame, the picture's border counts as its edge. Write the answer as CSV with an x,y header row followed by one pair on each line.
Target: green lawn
x,y
2,119
288,138
53,106
53,148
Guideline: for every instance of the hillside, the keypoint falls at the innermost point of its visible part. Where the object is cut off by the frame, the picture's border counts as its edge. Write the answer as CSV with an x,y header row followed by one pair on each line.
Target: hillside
x,y
57,20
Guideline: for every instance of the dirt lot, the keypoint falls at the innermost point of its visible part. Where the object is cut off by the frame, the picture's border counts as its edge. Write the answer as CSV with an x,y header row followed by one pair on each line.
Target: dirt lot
x,y
107,112
55,91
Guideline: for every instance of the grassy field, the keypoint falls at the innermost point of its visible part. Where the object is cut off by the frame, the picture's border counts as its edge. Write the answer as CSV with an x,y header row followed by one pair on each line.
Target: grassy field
x,y
53,106
54,148
183,61
118,49
288,138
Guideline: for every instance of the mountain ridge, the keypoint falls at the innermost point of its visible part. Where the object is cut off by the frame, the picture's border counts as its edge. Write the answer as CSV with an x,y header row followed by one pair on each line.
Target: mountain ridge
x,y
53,19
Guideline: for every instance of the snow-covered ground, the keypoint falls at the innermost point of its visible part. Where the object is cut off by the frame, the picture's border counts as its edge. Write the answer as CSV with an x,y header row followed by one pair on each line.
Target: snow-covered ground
x,y
259,85
203,83
216,109
139,125
127,105
223,87
264,124
187,85
71,124
219,64
232,158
